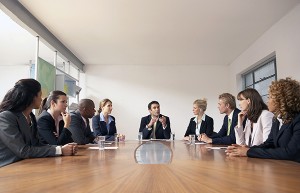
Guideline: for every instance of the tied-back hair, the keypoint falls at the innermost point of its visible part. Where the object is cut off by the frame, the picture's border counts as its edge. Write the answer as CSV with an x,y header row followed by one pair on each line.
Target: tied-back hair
x,y
228,99
102,104
201,103
53,96
256,105
285,94
20,96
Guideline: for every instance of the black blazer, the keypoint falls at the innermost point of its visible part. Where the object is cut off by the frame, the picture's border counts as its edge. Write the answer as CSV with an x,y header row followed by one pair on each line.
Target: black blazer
x,y
99,127
81,133
283,143
160,133
221,137
206,127
46,127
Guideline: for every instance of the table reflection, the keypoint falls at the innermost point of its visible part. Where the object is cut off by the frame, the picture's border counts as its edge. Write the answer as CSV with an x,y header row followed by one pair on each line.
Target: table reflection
x,y
153,152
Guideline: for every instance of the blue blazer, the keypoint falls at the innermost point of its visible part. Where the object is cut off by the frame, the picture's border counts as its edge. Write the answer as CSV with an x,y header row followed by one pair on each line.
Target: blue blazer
x,y
99,127
46,127
206,126
221,137
160,133
283,143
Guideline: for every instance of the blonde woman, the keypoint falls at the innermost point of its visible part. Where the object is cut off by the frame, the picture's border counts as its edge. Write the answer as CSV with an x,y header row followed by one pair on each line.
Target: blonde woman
x,y
200,123
103,123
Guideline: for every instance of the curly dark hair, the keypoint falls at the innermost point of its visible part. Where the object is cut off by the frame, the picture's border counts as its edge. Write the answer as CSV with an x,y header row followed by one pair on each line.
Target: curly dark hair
x,y
286,96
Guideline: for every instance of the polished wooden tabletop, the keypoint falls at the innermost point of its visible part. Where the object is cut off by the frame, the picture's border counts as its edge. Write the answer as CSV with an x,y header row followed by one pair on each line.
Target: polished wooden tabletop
x,y
193,168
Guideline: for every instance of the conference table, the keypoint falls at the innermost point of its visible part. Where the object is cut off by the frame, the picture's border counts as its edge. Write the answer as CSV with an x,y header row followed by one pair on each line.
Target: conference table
x,y
150,166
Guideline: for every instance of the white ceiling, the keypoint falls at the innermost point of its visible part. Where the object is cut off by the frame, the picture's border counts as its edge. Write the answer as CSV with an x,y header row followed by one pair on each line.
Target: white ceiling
x,y
158,32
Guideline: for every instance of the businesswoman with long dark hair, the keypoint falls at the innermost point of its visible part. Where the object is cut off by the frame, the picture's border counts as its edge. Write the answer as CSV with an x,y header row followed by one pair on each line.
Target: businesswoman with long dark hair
x,y
18,128
283,141
54,121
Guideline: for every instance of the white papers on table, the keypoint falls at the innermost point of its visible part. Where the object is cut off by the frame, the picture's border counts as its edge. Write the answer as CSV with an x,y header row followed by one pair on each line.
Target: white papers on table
x,y
200,142
104,148
216,147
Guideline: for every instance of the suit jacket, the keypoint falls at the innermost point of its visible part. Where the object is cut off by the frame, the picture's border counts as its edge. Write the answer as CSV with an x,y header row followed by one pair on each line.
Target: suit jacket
x,y
260,133
81,133
18,140
206,127
99,127
282,143
46,127
160,133
221,137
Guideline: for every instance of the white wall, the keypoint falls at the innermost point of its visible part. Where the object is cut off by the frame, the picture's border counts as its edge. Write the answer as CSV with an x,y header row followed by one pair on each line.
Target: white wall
x,y
283,38
10,75
132,87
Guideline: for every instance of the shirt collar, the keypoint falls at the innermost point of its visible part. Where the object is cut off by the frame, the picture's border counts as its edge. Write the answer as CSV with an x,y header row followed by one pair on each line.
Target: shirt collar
x,y
110,119
202,118
230,115
59,118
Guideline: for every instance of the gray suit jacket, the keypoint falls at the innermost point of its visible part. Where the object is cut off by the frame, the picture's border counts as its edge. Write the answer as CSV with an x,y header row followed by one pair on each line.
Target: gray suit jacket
x,y
81,133
18,140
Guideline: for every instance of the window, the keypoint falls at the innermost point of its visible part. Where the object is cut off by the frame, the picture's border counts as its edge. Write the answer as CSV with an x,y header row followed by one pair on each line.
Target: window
x,y
261,77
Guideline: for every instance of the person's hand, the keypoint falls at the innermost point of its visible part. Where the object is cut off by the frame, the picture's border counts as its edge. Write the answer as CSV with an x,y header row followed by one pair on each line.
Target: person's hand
x,y
163,121
205,138
67,119
69,149
235,150
152,121
186,138
241,117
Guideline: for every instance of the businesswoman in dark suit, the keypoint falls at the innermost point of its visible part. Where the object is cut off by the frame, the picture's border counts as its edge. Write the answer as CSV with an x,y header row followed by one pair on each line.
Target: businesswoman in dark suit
x,y
201,123
103,123
54,121
283,141
18,129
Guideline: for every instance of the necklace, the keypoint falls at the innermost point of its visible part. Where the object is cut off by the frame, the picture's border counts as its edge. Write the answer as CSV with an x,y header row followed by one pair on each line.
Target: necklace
x,y
28,119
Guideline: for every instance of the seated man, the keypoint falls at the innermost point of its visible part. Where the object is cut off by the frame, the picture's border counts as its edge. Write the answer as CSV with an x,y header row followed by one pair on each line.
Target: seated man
x,y
226,135
79,126
155,125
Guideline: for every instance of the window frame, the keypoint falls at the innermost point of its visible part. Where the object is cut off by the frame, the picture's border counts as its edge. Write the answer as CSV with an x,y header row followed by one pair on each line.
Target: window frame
x,y
255,69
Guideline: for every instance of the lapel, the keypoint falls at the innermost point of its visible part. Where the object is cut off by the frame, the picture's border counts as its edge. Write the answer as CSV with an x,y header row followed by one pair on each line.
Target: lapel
x,y
254,131
77,113
279,132
202,126
61,126
24,127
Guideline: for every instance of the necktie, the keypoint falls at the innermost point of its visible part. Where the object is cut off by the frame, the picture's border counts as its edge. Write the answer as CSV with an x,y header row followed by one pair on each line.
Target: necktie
x,y
154,129
229,125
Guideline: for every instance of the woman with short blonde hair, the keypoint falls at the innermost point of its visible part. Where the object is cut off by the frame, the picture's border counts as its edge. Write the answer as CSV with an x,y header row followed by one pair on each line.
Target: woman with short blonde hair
x,y
200,123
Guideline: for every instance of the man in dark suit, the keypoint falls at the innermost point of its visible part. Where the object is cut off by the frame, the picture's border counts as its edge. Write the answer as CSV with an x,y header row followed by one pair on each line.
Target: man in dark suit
x,y
79,126
155,125
226,135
